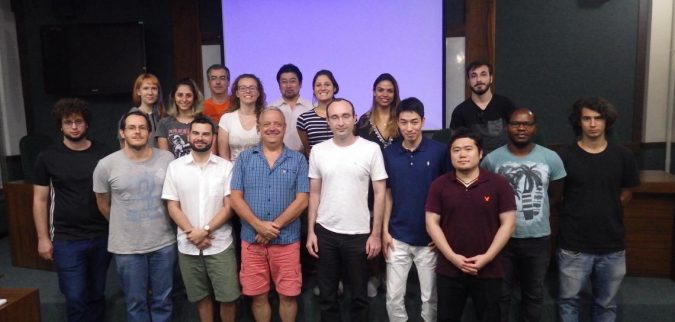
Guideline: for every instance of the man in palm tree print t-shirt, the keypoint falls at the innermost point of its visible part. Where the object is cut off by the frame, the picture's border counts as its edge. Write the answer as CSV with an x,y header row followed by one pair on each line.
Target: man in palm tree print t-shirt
x,y
530,169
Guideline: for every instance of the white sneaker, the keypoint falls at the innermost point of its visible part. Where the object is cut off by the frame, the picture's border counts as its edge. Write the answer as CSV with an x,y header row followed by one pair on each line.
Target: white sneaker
x,y
340,289
317,292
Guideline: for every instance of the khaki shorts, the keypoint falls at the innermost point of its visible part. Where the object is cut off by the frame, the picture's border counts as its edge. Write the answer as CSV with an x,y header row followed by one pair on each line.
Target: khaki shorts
x,y
205,275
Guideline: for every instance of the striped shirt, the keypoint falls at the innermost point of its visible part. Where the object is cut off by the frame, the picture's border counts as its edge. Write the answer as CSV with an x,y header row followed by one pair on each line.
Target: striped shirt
x,y
315,126
269,191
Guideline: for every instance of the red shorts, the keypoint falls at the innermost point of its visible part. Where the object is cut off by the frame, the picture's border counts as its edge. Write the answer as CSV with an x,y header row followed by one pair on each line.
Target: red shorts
x,y
259,261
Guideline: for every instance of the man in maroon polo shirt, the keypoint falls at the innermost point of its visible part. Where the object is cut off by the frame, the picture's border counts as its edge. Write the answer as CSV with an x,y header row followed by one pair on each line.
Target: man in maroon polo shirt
x,y
470,215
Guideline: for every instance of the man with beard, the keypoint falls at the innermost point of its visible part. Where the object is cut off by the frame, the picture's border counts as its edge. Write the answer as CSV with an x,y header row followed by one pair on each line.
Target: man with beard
x,y
197,189
484,112
530,169
215,106
269,191
72,232
128,186
291,104
470,216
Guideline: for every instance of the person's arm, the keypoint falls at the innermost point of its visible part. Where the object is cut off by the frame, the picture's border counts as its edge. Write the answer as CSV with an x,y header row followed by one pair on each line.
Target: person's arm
x,y
197,235
314,199
555,191
507,225
103,203
305,142
293,210
266,229
223,144
387,240
374,243
41,219
433,223
626,196
162,143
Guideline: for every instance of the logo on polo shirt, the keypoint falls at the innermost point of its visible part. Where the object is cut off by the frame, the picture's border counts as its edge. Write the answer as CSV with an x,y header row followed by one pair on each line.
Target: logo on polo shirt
x,y
486,198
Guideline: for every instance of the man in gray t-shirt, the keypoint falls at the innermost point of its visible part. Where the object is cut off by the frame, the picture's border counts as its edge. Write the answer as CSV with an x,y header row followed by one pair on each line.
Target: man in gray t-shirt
x,y
128,187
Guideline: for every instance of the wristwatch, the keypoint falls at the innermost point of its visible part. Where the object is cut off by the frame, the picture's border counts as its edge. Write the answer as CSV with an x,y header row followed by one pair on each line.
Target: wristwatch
x,y
207,228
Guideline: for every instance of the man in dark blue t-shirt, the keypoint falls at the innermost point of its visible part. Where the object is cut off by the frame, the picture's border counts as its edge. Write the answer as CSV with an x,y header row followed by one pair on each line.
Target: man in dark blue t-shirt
x,y
412,164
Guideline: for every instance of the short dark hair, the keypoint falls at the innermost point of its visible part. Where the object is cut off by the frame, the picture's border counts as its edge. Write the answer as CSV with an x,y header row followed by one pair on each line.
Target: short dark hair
x,y
123,121
475,64
462,133
289,68
216,67
203,119
341,100
410,104
66,107
598,104
523,109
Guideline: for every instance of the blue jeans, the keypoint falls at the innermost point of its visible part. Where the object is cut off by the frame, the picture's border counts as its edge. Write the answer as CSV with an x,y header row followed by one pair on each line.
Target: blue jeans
x,y
82,267
525,262
147,282
342,255
606,271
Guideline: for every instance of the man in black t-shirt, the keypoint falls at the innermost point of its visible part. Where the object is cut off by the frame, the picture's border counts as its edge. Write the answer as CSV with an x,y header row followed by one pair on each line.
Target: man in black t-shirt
x,y
484,112
70,229
591,240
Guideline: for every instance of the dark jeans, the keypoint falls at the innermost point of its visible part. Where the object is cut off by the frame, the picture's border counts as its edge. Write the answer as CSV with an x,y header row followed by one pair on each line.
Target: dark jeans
x,y
453,292
526,261
82,267
341,253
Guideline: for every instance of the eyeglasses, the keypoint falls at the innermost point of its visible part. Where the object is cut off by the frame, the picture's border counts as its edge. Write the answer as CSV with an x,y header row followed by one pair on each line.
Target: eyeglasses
x,y
251,89
77,123
134,128
519,124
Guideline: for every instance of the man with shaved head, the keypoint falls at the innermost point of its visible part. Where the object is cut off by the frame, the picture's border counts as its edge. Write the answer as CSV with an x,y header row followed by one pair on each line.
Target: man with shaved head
x,y
531,169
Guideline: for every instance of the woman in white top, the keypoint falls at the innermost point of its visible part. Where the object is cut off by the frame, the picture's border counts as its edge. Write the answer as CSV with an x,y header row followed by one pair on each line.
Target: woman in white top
x,y
237,129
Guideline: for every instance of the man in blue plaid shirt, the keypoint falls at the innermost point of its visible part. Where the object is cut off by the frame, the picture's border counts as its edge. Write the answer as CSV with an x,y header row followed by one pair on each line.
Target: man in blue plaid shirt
x,y
270,189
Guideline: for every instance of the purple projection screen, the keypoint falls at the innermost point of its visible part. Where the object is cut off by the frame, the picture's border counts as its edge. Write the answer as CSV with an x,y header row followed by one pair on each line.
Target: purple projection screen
x,y
357,40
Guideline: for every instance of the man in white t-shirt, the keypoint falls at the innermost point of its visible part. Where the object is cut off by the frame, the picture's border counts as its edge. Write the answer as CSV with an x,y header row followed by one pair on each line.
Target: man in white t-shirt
x,y
290,103
339,232
196,190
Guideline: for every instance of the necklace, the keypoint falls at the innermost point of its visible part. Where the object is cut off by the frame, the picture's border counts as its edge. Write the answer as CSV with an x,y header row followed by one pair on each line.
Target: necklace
x,y
467,183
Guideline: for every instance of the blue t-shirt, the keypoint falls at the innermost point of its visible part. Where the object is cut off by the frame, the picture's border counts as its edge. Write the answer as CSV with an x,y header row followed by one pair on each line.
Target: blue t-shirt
x,y
410,175
268,191
529,177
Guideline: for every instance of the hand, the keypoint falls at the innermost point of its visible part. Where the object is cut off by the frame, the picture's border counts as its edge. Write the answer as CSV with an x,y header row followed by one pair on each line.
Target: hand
x,y
206,243
387,243
312,244
268,230
463,264
431,245
46,249
478,262
261,240
196,235
373,246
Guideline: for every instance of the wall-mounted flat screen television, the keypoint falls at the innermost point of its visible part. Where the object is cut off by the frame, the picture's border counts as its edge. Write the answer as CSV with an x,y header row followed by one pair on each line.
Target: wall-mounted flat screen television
x,y
89,59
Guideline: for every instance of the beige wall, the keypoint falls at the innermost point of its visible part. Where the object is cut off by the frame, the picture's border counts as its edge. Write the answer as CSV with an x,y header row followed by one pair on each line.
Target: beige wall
x,y
658,65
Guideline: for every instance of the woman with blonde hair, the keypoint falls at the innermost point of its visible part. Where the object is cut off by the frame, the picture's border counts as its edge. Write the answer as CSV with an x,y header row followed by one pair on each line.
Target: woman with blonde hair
x,y
172,131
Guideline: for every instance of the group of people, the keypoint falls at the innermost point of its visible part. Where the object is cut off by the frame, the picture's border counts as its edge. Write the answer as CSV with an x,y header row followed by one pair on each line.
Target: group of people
x,y
233,190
